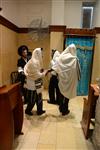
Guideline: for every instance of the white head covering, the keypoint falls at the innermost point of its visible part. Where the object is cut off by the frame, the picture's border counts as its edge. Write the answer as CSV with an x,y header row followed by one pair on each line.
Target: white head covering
x,y
37,58
55,56
71,49
67,67
34,65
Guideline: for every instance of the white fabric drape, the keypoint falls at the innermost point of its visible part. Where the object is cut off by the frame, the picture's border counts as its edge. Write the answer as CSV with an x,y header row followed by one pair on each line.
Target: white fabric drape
x,y
33,68
34,65
55,56
67,67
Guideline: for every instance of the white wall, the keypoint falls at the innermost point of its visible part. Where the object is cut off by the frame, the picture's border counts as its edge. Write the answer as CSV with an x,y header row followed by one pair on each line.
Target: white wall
x,y
97,14
10,10
22,12
73,13
32,9
57,13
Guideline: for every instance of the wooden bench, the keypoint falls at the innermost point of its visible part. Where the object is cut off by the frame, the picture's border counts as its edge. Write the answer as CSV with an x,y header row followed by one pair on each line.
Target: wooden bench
x,y
11,115
89,109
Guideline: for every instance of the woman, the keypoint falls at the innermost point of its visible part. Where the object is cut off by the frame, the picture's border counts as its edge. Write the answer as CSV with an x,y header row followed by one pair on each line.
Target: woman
x,y
34,74
68,70
23,53
53,84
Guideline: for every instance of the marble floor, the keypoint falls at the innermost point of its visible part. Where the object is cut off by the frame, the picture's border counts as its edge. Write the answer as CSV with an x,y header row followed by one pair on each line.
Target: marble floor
x,y
51,131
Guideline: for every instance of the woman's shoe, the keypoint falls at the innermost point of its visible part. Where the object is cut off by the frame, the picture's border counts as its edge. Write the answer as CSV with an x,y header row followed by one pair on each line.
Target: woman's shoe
x,y
41,112
29,113
50,102
65,113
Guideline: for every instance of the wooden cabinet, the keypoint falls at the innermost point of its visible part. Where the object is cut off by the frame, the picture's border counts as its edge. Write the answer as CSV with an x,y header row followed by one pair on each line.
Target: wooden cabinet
x,y
89,109
11,115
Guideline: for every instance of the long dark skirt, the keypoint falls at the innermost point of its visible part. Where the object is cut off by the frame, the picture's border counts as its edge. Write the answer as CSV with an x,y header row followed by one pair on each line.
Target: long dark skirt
x,y
63,107
34,98
53,90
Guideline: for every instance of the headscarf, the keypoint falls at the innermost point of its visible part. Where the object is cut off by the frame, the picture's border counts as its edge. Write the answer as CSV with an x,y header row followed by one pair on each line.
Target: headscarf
x,y
37,58
34,65
68,70
55,56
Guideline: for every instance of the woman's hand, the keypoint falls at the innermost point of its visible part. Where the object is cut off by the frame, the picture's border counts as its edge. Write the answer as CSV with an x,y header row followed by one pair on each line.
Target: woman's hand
x,y
41,70
48,71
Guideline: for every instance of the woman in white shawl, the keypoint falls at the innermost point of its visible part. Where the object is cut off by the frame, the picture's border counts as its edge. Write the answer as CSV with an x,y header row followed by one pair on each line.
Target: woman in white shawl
x,y
34,74
53,84
68,70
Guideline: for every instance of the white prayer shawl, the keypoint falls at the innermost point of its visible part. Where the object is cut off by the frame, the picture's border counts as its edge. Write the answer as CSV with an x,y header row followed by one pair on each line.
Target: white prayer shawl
x,y
67,67
33,67
55,56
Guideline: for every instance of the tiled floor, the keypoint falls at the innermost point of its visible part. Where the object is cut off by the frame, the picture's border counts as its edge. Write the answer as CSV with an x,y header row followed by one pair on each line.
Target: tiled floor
x,y
51,131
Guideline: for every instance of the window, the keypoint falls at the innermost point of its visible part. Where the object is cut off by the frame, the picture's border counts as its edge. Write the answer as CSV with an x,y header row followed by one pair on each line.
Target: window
x,y
87,17
87,14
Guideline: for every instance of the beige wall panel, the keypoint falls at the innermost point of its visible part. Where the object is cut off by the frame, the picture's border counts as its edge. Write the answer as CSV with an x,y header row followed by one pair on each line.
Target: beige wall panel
x,y
56,41
8,53
96,61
